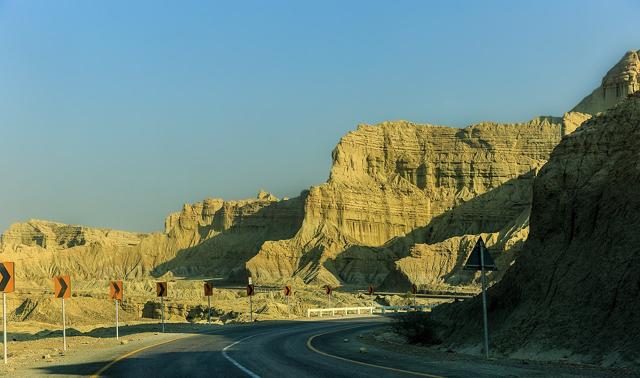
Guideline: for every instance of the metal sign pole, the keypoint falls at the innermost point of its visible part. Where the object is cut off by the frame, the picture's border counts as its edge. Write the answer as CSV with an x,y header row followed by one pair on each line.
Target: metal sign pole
x,y
64,327
250,304
162,305
484,304
209,315
4,324
117,334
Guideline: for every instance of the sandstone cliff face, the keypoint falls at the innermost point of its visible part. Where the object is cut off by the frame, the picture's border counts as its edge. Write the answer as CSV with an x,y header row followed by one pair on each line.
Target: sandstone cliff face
x,y
622,80
213,237
404,199
575,289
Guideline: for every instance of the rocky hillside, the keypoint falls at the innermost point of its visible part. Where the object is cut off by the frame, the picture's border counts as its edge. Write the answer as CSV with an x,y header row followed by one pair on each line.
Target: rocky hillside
x,y
403,198
401,206
575,290
230,231
621,80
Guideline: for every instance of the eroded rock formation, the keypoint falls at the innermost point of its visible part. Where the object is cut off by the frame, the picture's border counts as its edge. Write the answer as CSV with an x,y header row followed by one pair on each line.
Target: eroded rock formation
x,y
212,237
403,199
621,80
574,290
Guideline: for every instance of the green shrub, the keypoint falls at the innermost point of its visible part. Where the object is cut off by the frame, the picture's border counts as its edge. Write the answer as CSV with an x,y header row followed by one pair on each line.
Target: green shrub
x,y
417,328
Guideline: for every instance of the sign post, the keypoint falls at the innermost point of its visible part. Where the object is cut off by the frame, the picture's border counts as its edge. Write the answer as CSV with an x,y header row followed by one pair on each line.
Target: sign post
x,y
250,291
287,293
7,285
116,290
414,291
208,292
4,324
161,291
62,290
328,290
482,261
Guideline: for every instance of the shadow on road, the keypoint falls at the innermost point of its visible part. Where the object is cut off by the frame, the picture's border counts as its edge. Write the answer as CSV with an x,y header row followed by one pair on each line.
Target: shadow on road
x,y
172,364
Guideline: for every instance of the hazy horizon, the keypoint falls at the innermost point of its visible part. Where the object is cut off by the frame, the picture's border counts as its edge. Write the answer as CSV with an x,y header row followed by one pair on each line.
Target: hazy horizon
x,y
115,114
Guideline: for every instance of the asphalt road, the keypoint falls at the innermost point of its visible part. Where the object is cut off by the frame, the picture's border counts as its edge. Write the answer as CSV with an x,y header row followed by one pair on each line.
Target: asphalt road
x,y
287,349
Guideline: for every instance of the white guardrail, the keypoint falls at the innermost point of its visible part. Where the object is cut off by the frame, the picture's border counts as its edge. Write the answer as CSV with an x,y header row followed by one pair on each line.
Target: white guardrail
x,y
363,310
338,310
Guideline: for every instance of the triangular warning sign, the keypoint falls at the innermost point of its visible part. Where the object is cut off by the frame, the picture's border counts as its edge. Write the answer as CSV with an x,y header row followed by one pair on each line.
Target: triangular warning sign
x,y
475,261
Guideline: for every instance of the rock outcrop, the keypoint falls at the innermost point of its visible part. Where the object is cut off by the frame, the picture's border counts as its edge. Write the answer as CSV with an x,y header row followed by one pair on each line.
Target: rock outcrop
x,y
213,237
622,80
575,290
404,199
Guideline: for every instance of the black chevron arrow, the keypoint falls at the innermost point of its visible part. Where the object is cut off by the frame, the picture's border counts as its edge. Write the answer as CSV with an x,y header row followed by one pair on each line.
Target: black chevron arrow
x,y
63,287
161,293
6,277
116,287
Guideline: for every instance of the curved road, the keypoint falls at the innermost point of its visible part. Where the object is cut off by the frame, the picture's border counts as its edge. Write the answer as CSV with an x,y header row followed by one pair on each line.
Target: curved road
x,y
291,349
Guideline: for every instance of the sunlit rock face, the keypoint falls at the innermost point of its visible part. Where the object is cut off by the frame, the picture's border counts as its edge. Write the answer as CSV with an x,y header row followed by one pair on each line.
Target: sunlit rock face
x,y
213,238
403,200
401,206
621,80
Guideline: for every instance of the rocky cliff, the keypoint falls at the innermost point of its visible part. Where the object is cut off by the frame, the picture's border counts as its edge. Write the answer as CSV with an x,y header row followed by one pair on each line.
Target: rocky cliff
x,y
401,206
403,200
214,237
575,290
621,80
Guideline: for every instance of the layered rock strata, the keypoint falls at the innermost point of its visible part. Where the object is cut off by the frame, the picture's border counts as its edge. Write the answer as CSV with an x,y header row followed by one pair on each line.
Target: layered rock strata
x,y
399,191
213,237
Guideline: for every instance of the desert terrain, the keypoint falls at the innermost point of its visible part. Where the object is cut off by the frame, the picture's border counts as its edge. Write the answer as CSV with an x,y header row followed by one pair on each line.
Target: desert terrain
x,y
553,197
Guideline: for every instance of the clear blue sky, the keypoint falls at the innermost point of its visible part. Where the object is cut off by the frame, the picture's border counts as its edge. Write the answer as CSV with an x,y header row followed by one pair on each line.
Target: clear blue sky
x,y
115,113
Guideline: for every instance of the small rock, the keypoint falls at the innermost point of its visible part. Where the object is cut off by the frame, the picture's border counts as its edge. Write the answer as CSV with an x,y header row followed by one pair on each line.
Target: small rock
x,y
346,340
46,357
363,350
124,342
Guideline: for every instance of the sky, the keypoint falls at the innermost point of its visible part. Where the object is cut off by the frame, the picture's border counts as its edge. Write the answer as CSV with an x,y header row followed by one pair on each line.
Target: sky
x,y
114,114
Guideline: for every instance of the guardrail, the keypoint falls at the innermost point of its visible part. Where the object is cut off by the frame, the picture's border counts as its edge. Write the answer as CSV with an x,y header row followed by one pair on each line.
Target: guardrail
x,y
338,310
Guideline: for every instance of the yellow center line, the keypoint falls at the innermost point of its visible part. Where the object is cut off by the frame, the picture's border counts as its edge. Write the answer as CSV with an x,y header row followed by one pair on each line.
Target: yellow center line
x,y
127,355
314,349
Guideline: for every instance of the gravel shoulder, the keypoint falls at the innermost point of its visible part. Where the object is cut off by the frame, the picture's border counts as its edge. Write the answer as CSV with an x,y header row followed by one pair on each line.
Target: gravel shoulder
x,y
384,338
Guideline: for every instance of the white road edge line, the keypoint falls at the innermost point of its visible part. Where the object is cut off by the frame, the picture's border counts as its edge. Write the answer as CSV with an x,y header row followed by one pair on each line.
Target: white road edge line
x,y
236,363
